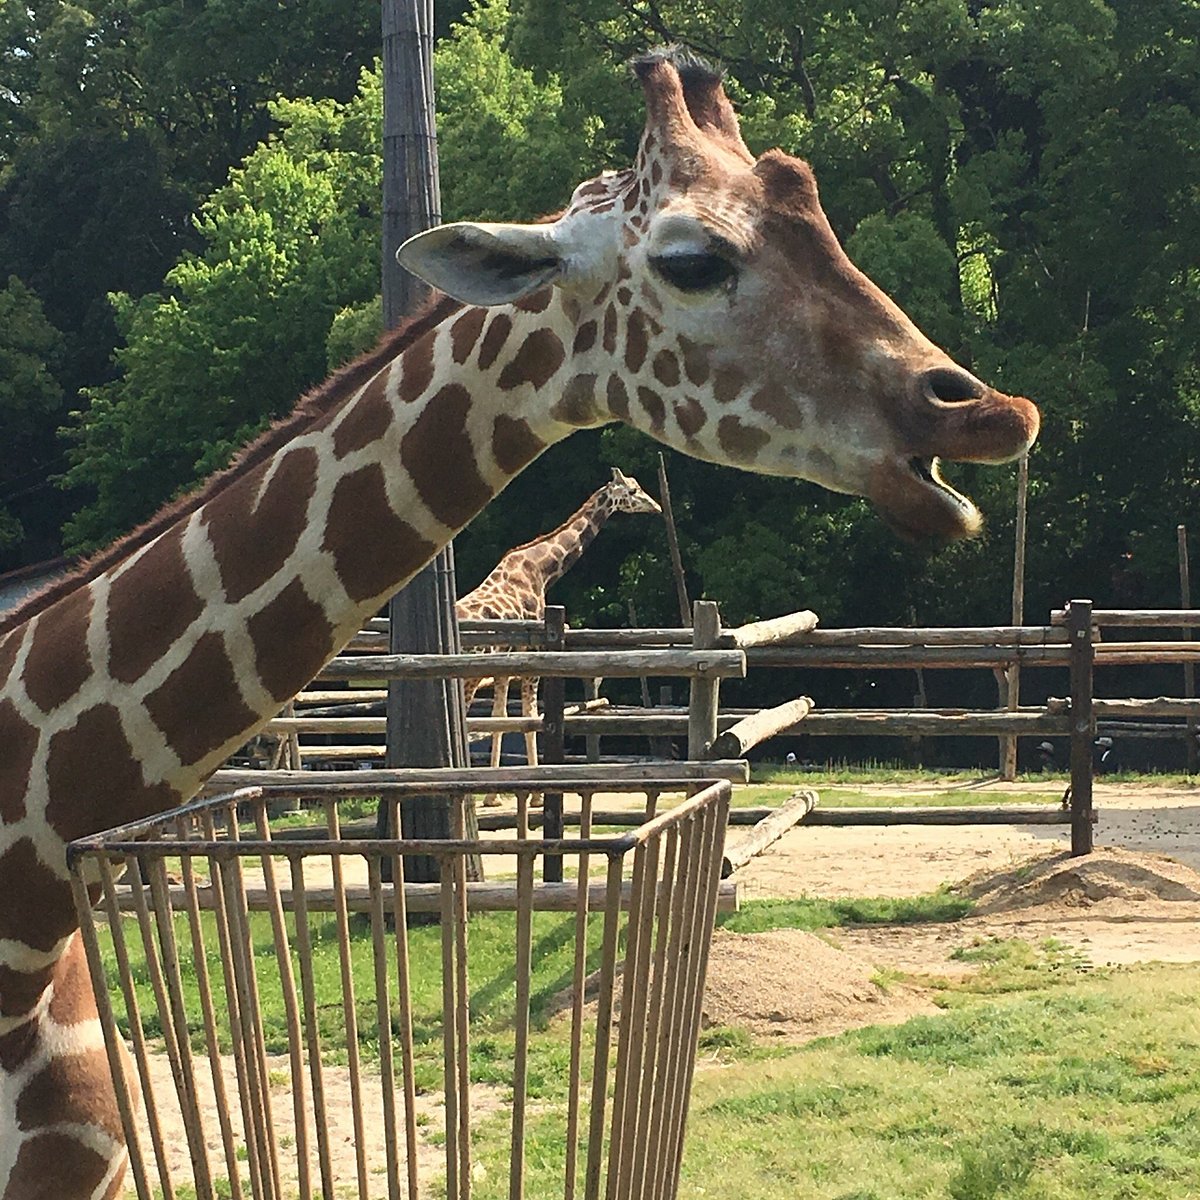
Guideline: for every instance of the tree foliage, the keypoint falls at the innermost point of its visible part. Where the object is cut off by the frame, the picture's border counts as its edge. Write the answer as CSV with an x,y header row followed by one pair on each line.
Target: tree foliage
x,y
1021,175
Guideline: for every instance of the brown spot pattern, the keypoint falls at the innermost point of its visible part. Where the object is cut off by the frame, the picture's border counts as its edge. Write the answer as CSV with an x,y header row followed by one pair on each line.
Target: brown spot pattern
x,y
71,1000
94,779
438,455
514,444
494,339
624,296
417,371
73,1088
150,604
691,416
655,409
198,706
540,356
610,329
21,990
367,419
292,639
636,342
585,337
577,405
17,1045
52,1165
656,172
741,442
251,541
695,361
40,911
537,301
374,550
58,664
618,398
727,384
8,650
18,741
666,368
464,333
772,401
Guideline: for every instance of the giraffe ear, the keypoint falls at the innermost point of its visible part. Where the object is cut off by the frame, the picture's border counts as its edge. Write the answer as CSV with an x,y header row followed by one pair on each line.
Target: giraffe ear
x,y
484,264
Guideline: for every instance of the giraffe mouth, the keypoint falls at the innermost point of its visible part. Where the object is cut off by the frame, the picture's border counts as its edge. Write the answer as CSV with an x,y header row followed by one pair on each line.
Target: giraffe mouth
x,y
917,503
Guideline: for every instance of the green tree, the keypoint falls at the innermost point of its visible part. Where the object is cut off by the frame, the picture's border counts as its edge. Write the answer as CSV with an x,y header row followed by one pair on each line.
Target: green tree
x,y
30,399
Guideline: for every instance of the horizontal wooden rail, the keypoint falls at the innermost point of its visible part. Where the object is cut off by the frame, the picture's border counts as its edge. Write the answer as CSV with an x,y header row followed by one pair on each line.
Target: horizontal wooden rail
x,y
933,814
1160,706
705,664
883,635
483,779
1145,618
906,657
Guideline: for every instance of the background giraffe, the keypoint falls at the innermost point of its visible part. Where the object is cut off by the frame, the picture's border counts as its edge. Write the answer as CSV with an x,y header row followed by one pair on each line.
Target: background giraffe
x,y
515,590
699,296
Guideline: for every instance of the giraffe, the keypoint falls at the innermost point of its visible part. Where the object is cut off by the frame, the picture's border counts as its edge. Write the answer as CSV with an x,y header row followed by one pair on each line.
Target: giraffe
x,y
699,296
515,589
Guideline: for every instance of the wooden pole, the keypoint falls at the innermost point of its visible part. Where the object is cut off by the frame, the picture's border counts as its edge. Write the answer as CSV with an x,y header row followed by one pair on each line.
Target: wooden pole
x,y
1189,670
425,716
1079,622
705,692
553,740
768,831
1008,745
664,498
766,723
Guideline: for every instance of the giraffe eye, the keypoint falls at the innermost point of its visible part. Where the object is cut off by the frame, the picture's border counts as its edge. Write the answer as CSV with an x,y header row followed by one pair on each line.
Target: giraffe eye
x,y
693,272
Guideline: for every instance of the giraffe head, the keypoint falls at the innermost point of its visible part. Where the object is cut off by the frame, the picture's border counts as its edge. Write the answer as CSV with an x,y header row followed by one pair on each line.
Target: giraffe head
x,y
625,494
713,307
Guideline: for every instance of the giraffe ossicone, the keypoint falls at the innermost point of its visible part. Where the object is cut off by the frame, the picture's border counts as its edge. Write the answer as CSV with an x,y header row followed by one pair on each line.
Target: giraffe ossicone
x,y
700,296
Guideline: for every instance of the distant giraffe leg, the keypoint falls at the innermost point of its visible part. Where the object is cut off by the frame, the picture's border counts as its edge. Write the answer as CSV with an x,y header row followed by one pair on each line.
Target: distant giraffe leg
x,y
529,708
499,709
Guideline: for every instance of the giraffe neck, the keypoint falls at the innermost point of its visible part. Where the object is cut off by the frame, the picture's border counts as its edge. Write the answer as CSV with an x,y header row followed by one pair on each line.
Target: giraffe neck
x,y
128,691
552,556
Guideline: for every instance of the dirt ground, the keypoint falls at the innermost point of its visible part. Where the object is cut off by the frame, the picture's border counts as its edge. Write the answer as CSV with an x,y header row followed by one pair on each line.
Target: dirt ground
x,y
1137,899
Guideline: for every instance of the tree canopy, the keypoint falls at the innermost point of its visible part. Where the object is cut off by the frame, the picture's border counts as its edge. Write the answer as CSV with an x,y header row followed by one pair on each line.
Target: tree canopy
x,y
1021,175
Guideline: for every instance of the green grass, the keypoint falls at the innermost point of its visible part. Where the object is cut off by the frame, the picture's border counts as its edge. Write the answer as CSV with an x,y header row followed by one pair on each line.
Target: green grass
x,y
758,916
1072,1086
838,796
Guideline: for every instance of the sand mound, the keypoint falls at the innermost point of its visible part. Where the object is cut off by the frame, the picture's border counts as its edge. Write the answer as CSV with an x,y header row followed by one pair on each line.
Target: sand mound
x,y
1062,882
790,984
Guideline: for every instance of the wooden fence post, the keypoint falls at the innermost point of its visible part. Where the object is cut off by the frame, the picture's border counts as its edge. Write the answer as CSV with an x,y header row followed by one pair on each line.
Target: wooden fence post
x,y
553,739
1189,669
705,691
1083,724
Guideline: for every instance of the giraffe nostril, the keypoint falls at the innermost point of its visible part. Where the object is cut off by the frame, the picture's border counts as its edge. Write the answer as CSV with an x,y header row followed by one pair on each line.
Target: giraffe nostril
x,y
950,385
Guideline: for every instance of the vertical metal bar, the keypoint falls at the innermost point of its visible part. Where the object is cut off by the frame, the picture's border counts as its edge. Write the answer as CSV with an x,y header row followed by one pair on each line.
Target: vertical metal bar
x,y
193,1123
112,1036
229,973
631,1041
212,1043
578,987
349,1013
449,1028
1083,724
714,821
291,1008
250,1011
554,741
383,1009
523,968
311,1027
604,1013
463,1008
404,992
645,1137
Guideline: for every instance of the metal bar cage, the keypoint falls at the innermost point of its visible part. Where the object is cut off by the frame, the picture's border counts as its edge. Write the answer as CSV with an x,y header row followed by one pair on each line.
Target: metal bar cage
x,y
283,1021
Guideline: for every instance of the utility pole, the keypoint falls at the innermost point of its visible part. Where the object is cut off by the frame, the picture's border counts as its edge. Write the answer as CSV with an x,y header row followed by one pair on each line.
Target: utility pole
x,y
425,723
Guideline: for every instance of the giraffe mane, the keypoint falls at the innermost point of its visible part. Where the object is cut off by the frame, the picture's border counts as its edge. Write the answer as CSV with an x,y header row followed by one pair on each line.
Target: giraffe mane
x,y
312,406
